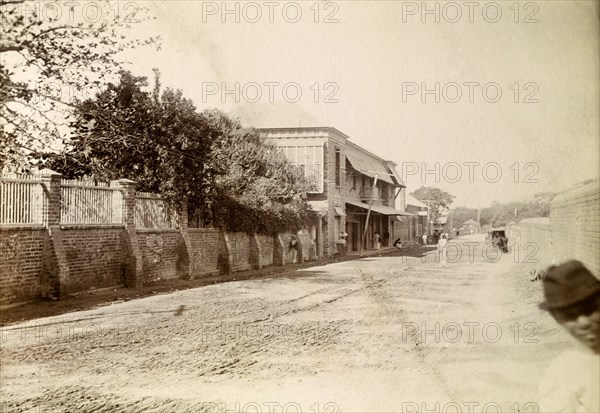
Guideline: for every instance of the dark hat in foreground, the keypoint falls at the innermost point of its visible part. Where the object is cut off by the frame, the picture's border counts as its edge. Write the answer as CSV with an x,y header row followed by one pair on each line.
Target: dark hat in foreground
x,y
568,284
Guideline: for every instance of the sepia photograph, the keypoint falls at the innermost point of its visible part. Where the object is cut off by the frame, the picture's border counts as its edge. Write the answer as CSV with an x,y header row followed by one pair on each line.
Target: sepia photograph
x,y
310,206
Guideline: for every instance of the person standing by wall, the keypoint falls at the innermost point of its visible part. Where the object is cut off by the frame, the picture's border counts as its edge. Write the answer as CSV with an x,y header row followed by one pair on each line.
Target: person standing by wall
x,y
293,247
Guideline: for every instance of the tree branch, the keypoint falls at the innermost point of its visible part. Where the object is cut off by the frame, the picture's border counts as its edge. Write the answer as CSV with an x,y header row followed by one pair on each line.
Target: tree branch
x,y
4,49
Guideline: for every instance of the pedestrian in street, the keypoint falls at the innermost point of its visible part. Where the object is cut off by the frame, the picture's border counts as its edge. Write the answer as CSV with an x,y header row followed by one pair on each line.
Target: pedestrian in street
x,y
293,247
436,237
424,238
572,381
442,249
398,243
377,241
342,244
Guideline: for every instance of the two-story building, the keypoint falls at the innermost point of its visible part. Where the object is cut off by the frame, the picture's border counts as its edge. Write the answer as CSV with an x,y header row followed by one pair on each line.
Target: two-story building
x,y
413,227
349,183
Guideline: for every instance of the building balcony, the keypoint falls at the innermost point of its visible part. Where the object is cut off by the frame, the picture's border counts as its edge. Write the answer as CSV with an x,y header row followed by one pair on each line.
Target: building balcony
x,y
366,193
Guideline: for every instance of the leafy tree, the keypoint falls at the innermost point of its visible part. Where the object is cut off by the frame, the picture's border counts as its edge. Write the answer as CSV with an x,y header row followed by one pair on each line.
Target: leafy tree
x,y
463,214
52,53
437,199
157,140
256,188
500,214
160,141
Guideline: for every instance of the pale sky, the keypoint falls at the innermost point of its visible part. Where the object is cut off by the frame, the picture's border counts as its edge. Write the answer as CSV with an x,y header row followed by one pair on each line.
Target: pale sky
x,y
378,49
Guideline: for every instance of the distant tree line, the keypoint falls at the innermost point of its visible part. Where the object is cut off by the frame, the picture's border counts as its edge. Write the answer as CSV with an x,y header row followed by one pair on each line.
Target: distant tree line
x,y
500,214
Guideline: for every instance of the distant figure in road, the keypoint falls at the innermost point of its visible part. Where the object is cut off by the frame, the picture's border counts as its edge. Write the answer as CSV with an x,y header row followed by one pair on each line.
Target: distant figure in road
x,y
424,238
376,241
442,243
572,381
436,237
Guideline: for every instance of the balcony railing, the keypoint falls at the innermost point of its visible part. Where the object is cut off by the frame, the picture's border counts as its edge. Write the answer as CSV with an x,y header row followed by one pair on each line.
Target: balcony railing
x,y
365,194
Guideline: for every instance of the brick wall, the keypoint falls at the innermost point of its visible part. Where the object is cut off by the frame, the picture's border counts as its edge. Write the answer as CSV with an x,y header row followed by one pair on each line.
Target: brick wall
x,y
267,246
21,252
160,250
533,238
575,221
571,232
94,256
204,254
54,259
308,246
240,251
38,262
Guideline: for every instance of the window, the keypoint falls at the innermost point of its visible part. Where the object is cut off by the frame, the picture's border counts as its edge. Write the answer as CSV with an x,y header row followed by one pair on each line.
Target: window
x,y
384,192
308,160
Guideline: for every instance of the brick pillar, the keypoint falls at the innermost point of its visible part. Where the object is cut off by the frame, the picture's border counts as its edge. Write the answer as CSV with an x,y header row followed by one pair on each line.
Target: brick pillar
x,y
255,252
184,245
55,268
51,182
225,262
132,265
278,250
300,258
127,188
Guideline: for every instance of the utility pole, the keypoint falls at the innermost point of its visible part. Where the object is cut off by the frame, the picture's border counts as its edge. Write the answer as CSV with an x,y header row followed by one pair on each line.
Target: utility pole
x,y
377,173
429,223
362,244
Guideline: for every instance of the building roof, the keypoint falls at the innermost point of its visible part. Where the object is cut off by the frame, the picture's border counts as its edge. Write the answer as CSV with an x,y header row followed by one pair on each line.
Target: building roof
x,y
380,209
469,222
364,161
392,166
411,200
367,163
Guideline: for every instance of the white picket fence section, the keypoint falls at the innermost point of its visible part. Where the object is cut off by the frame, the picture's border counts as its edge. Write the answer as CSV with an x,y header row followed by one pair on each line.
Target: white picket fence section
x,y
87,202
152,211
22,199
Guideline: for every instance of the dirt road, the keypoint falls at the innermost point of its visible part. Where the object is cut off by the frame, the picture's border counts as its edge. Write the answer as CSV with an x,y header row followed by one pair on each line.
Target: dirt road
x,y
397,334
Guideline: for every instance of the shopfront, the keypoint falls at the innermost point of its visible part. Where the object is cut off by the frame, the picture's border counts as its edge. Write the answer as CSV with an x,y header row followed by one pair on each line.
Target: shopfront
x,y
378,223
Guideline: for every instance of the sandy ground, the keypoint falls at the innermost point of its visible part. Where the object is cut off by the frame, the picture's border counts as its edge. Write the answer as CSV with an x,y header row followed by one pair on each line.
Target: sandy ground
x,y
380,334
